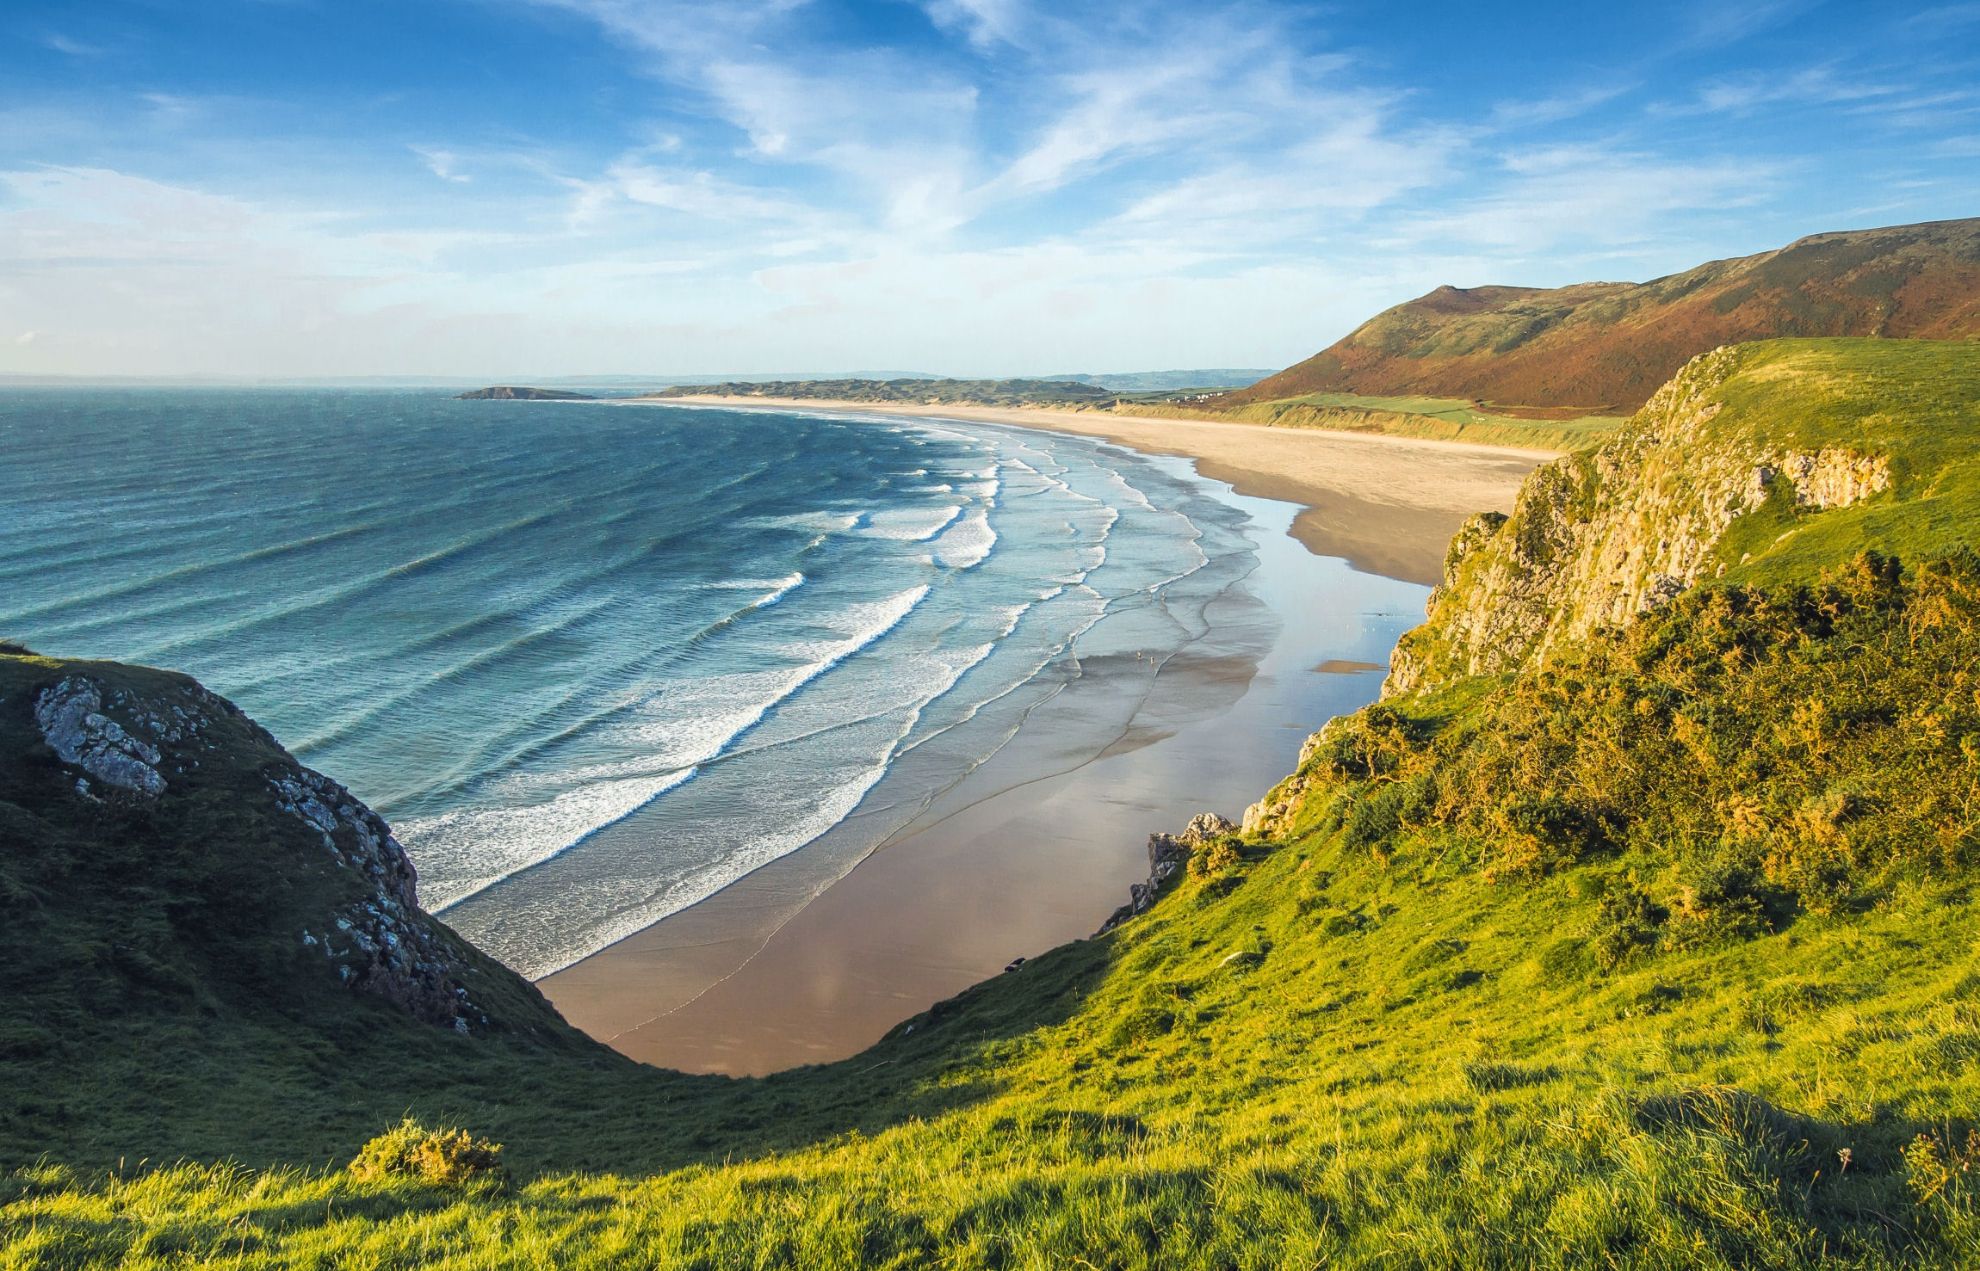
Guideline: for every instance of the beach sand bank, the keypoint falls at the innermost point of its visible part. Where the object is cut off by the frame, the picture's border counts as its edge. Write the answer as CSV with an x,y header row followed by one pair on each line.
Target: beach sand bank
x,y
1388,505
816,955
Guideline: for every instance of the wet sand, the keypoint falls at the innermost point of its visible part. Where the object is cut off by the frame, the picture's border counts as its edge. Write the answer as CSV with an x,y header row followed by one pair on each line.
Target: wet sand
x,y
816,955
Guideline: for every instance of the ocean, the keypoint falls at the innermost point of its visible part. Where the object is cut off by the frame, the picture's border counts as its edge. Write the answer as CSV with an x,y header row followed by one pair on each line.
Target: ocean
x,y
596,661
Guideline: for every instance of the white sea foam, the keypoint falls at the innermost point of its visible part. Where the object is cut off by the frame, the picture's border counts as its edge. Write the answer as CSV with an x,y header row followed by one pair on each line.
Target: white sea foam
x,y
825,522
773,589
674,730
912,525
799,826
720,855
967,542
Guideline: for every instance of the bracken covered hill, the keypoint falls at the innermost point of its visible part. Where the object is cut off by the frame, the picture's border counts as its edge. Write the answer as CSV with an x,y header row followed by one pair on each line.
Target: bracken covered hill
x,y
1604,347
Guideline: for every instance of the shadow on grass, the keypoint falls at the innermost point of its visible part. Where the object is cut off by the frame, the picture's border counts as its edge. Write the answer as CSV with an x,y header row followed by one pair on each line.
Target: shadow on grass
x,y
181,1085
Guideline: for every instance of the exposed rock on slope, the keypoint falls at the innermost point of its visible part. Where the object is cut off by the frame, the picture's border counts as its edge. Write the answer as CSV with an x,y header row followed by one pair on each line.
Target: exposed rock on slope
x,y
70,715
1604,347
381,942
140,783
1168,853
1597,539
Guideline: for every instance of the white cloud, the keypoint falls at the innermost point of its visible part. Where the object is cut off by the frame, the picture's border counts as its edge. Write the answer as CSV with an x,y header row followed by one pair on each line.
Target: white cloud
x,y
26,338
444,164
986,23
1563,201
1813,86
1539,111
70,47
1017,187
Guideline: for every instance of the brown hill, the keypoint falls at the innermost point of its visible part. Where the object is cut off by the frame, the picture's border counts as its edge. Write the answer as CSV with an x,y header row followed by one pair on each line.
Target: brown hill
x,y
1604,347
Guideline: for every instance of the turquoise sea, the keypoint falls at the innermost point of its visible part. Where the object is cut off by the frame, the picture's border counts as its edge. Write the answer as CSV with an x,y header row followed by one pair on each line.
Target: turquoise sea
x,y
595,661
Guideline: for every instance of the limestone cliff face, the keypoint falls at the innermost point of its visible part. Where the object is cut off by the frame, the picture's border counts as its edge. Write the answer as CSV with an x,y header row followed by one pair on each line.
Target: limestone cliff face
x,y
1595,540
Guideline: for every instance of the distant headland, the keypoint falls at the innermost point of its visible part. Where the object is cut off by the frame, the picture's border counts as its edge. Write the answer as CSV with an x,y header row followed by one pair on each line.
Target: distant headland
x,y
517,393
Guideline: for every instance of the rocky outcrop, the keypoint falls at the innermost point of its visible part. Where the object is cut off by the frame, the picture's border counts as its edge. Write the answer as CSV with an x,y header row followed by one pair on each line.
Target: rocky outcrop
x,y
1269,815
1168,853
122,756
147,747
1596,540
381,943
1833,478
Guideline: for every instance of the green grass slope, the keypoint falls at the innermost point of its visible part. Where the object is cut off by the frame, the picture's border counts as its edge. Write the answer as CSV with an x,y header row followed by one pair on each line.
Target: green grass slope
x,y
1659,954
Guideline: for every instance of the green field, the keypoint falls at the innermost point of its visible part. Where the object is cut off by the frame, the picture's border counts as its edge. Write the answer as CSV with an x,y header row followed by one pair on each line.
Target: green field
x,y
1664,955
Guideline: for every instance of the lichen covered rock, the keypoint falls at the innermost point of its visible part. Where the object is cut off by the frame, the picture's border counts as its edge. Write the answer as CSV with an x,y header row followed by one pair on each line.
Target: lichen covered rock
x,y
71,716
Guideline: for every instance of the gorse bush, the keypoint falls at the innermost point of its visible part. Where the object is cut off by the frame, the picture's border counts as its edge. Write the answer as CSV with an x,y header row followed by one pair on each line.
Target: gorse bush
x,y
1215,858
443,1157
1769,752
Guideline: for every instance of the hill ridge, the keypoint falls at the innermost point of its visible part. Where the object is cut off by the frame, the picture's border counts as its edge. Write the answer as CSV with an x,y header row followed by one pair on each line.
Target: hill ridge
x,y
1604,347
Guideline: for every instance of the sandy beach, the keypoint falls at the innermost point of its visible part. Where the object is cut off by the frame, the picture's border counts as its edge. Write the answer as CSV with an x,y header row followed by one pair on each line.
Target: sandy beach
x,y
816,955
1388,505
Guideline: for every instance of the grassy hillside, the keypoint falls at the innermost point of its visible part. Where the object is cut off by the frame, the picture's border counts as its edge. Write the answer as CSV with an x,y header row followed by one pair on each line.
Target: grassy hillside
x,y
1603,348
1661,953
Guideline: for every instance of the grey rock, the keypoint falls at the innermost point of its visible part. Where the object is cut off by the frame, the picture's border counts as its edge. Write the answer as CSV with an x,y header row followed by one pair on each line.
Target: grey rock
x,y
1167,854
383,942
70,716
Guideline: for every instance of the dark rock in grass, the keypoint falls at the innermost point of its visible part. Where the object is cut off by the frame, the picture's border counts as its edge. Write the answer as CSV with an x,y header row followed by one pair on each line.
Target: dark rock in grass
x,y
1168,853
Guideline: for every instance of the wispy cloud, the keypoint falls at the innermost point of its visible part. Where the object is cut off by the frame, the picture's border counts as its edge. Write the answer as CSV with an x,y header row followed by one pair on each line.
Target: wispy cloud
x,y
444,164
70,47
986,23
1585,201
1541,111
1822,85
1944,18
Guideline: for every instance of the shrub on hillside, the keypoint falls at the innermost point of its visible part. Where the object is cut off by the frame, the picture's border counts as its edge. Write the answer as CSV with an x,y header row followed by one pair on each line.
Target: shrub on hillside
x,y
1214,858
443,1157
1627,923
1754,753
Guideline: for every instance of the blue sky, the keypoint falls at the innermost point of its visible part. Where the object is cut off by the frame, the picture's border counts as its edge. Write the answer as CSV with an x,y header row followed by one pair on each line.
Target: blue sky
x,y
510,188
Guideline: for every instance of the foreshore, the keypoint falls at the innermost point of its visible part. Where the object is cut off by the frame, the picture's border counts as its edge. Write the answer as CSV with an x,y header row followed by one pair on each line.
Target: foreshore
x,y
814,956
1387,505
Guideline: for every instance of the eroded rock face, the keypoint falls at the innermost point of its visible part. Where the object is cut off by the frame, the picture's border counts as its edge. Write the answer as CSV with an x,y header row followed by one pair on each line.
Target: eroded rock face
x,y
382,943
1597,540
71,717
1168,853
1836,478
1269,815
